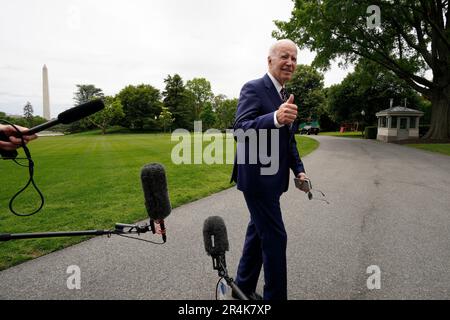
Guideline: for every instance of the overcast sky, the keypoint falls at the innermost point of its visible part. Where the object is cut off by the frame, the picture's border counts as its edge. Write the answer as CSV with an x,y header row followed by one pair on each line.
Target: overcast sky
x,y
114,43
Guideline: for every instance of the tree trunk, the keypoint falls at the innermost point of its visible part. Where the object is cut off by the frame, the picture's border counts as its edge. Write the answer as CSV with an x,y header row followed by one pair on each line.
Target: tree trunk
x,y
440,115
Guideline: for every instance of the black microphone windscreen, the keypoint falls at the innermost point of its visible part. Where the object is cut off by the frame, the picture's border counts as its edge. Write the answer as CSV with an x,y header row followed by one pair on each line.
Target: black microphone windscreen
x,y
81,111
156,195
215,236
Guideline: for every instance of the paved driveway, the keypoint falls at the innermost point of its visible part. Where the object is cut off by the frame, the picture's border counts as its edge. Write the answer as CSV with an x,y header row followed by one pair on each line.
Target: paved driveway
x,y
389,207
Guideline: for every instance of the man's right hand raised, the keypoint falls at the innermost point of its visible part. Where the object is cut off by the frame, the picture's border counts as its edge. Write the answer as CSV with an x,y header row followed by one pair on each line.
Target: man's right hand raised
x,y
287,112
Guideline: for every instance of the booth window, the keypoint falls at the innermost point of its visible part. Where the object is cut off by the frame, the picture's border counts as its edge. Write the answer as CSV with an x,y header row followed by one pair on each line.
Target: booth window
x,y
412,122
403,123
394,122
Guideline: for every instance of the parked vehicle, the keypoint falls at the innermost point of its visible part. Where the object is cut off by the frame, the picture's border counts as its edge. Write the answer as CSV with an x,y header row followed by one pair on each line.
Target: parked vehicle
x,y
310,130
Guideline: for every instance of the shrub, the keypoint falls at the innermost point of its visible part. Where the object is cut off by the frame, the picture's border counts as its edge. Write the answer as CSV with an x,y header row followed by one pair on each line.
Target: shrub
x,y
370,132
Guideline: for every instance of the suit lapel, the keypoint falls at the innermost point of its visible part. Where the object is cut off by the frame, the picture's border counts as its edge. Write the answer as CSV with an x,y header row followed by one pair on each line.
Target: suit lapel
x,y
272,92
276,100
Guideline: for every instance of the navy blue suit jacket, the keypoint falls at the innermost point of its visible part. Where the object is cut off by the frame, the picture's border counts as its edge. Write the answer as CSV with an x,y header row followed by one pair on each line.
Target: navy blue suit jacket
x,y
258,101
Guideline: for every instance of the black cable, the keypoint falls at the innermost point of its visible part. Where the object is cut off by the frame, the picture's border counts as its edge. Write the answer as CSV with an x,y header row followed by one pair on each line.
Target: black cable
x,y
217,285
153,242
31,176
30,167
18,163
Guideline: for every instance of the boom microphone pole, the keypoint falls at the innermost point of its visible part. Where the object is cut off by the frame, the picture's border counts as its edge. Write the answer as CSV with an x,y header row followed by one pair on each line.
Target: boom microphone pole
x,y
157,204
120,229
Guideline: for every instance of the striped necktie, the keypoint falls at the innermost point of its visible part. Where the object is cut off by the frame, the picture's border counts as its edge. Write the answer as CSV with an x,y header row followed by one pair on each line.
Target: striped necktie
x,y
284,94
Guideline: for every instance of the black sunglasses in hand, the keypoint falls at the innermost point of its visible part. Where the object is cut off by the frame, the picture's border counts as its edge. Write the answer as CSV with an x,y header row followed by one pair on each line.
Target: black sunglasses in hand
x,y
305,185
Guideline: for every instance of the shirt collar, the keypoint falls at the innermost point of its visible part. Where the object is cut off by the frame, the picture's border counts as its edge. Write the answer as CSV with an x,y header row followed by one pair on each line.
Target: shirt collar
x,y
275,82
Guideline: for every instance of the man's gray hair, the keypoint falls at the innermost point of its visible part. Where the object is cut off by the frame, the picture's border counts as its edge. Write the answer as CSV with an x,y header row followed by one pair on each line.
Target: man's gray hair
x,y
274,47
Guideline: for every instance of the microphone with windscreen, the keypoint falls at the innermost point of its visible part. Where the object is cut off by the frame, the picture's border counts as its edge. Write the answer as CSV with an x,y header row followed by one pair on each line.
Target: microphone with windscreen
x,y
71,115
215,239
156,196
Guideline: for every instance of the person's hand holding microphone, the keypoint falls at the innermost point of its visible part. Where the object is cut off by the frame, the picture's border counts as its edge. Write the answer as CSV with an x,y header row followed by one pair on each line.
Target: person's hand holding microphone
x,y
9,141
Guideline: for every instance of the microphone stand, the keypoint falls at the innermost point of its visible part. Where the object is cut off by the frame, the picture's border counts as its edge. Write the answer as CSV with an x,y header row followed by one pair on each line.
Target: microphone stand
x,y
220,264
120,228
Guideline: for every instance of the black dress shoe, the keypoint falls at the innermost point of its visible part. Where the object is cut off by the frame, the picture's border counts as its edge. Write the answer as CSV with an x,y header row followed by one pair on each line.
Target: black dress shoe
x,y
255,296
251,296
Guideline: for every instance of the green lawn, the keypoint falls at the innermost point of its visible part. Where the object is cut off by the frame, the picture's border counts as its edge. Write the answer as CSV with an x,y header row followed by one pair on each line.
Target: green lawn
x,y
91,181
443,148
356,134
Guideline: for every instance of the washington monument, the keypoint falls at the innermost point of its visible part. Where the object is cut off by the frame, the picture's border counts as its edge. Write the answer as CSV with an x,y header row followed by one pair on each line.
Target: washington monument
x,y
46,95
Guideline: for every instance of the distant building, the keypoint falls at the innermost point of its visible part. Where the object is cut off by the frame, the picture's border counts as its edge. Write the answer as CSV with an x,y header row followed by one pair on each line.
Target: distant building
x,y
14,116
398,123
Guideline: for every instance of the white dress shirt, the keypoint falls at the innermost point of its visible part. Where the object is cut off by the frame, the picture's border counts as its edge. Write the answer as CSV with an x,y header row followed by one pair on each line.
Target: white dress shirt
x,y
278,86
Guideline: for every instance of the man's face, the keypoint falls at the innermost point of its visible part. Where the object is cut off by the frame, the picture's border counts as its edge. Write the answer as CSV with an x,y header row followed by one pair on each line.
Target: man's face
x,y
283,62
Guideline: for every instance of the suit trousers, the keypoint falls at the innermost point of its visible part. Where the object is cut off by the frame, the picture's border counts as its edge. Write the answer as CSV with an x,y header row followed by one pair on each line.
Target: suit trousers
x,y
265,245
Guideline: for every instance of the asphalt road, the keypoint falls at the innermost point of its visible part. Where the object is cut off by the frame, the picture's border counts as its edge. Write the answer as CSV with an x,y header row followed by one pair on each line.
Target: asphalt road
x,y
389,207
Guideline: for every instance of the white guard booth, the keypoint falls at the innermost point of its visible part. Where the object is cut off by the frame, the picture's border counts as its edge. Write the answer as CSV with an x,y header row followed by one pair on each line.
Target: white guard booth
x,y
398,123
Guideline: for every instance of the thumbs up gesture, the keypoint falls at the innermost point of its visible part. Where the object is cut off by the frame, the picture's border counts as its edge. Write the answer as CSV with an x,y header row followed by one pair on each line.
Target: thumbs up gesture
x,y
287,112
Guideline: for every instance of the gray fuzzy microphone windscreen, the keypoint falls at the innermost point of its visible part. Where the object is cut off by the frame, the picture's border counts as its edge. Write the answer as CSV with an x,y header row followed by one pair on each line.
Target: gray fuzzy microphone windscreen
x,y
156,195
215,236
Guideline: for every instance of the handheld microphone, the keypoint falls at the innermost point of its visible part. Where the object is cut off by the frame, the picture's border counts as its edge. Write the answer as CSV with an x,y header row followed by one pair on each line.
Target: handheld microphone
x,y
71,115
156,196
76,113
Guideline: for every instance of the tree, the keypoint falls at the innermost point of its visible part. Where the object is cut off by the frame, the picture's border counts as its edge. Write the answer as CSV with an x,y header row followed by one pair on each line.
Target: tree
x,y
28,114
24,121
37,120
306,85
165,118
200,90
225,111
411,37
141,105
208,116
112,113
84,94
177,101
368,88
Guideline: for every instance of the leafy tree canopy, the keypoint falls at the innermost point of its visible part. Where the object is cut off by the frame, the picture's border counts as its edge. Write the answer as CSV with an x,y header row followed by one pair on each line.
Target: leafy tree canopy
x,y
407,37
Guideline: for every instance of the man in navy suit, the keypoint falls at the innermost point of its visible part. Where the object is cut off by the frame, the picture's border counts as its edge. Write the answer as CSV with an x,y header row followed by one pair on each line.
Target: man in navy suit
x,y
263,106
